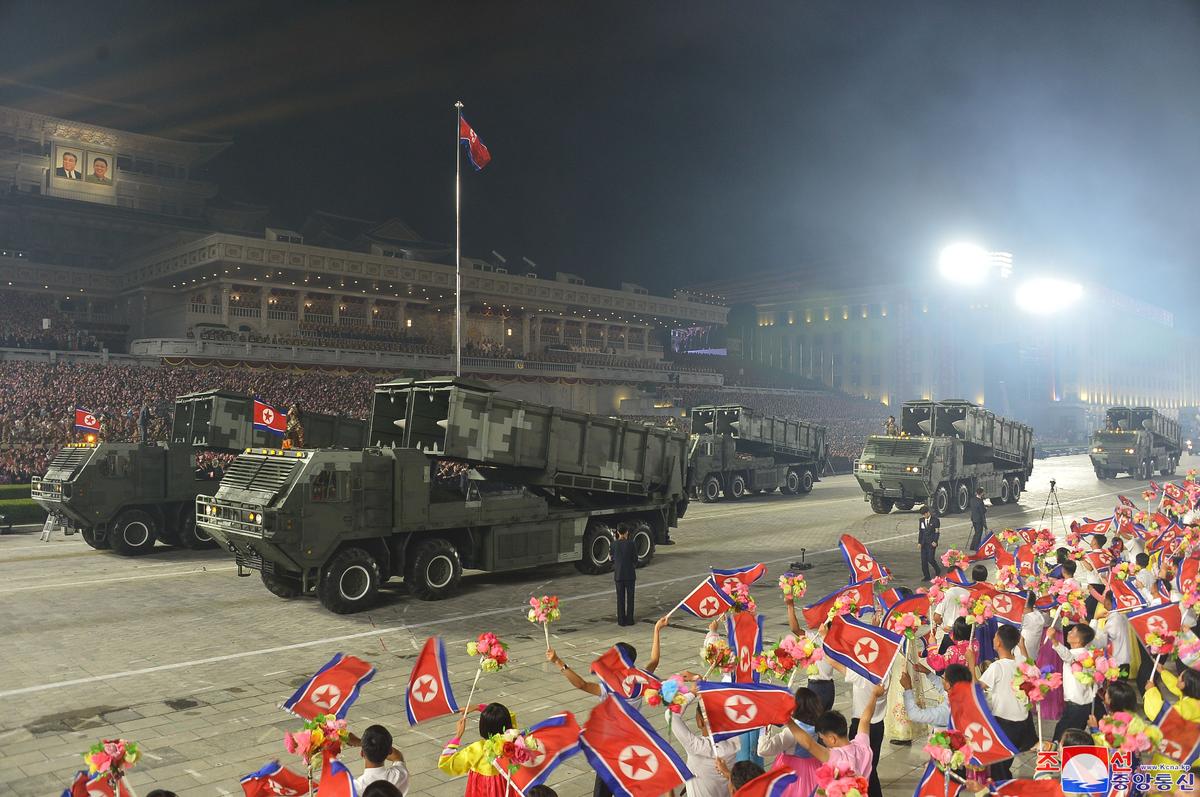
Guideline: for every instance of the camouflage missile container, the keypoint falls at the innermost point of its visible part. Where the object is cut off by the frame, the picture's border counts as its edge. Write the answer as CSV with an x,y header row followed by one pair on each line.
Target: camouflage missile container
x,y
945,450
125,496
455,476
735,452
1137,441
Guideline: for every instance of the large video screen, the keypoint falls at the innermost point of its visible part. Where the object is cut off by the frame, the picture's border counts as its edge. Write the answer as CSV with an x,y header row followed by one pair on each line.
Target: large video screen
x,y
698,339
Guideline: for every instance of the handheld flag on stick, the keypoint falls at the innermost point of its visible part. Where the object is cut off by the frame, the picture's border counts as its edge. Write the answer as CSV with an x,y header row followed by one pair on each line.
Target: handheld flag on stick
x,y
747,575
745,640
627,754
733,709
863,565
706,601
332,690
769,784
429,694
274,780
986,741
866,649
558,740
861,595
619,675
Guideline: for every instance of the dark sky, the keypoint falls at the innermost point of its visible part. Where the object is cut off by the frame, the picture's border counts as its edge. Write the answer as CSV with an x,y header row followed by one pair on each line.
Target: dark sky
x,y
673,142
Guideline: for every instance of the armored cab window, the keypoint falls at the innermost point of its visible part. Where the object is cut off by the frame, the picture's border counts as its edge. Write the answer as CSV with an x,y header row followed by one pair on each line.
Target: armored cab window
x,y
330,486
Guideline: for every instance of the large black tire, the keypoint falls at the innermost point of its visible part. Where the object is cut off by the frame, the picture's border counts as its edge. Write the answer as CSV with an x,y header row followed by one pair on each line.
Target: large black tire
x,y
905,504
1001,499
1014,489
597,550
737,487
806,481
283,585
349,582
193,537
1100,473
962,497
880,504
133,533
97,538
791,483
434,570
710,490
941,501
1168,469
643,543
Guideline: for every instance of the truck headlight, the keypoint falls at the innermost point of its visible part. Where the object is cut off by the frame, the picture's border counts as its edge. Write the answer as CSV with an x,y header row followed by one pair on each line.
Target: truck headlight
x,y
912,469
1129,451
1097,450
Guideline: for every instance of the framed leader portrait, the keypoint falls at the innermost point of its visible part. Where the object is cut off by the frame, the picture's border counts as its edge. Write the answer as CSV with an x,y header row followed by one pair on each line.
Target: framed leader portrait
x,y
99,168
68,163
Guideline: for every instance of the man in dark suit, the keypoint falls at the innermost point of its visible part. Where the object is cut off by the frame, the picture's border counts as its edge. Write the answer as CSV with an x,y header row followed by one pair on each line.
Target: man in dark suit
x,y
928,534
624,574
978,520
68,170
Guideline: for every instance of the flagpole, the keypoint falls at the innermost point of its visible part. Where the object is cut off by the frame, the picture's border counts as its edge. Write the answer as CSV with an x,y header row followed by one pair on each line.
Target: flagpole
x,y
458,106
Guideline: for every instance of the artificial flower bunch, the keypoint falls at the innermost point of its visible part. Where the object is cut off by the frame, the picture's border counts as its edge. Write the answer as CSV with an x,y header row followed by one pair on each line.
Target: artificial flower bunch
x,y
1187,647
1121,572
1149,495
1095,668
906,623
1161,644
111,757
515,747
844,604
1129,734
833,782
1043,543
977,611
544,609
937,590
1008,578
955,558
805,651
492,653
740,593
1009,538
1031,685
322,736
1039,584
946,748
675,694
1069,595
719,656
793,585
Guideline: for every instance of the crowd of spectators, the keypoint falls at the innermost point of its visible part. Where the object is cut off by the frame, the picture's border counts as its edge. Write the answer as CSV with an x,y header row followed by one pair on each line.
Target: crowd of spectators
x,y
21,327
488,348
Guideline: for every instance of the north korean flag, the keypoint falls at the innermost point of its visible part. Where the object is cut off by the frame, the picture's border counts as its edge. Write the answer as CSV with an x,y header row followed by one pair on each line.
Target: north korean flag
x,y
274,780
1009,607
744,632
1181,737
1176,493
747,575
864,648
1125,594
1154,486
269,419
988,549
1103,526
86,420
1185,575
332,689
336,780
1026,561
986,742
733,709
1099,560
619,675
97,785
958,577
1169,539
1163,619
1028,535
627,754
769,784
862,594
1125,502
558,740
934,783
891,596
477,153
915,604
706,601
428,694
862,563
1024,787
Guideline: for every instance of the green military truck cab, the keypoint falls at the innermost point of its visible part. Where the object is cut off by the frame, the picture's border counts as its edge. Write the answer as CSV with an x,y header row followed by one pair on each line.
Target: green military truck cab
x,y
736,451
456,477
945,451
1137,441
126,496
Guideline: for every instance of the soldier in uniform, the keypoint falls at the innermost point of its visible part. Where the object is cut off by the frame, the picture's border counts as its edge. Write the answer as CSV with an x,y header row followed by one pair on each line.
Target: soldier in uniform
x,y
295,431
889,427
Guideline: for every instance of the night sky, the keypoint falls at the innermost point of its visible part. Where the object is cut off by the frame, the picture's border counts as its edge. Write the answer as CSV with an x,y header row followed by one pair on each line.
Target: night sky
x,y
668,143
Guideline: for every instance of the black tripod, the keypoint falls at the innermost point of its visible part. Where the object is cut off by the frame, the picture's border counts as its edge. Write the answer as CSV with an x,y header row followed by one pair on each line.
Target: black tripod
x,y
1051,507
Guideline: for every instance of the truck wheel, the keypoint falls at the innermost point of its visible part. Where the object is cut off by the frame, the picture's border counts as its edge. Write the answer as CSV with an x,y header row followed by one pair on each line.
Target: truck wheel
x,y
193,537
597,550
1166,471
282,585
941,501
791,484
643,544
97,538
711,491
1001,499
962,497
737,488
880,504
806,481
1144,471
1100,474
1014,489
133,533
434,571
905,504
350,582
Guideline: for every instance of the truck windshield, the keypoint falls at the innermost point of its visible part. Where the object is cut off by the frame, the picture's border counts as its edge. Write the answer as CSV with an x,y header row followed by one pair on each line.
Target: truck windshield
x,y
1113,437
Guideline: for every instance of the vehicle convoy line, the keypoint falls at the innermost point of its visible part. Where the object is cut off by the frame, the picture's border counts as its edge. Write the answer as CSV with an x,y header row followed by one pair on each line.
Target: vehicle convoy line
x,y
180,665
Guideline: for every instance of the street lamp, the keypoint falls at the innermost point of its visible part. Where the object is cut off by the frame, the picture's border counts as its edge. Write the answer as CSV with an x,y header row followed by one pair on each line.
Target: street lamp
x,y
1048,296
965,263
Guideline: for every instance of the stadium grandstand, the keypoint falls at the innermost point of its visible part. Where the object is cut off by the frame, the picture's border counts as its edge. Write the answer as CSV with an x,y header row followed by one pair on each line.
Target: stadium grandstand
x,y
144,283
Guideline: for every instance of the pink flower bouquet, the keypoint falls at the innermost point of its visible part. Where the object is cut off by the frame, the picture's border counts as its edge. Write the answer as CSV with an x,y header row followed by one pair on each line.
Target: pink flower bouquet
x,y
544,609
1095,668
741,595
322,736
793,585
832,782
511,750
492,653
1032,685
1129,734
1008,578
675,694
112,757
955,558
946,749
719,656
906,623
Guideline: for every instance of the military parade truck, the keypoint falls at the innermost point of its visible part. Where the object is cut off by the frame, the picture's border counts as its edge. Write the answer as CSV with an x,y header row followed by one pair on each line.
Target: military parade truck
x,y
736,451
944,451
124,496
456,476
1137,441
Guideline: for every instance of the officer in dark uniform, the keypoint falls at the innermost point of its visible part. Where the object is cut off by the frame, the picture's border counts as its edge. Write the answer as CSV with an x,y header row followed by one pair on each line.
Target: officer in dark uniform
x,y
928,534
624,574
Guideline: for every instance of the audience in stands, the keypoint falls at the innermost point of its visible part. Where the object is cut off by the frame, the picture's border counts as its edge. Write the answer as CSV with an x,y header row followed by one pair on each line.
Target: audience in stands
x,y
21,327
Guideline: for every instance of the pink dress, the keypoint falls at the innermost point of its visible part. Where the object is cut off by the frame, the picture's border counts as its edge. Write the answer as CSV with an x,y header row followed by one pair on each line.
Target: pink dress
x,y
855,757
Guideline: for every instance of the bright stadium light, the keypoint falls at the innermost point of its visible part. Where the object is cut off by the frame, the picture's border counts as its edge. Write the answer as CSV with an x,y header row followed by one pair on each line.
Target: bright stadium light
x,y
965,263
1048,295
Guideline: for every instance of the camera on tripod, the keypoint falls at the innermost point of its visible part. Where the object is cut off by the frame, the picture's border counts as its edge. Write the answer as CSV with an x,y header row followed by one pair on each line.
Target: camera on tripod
x,y
1052,485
